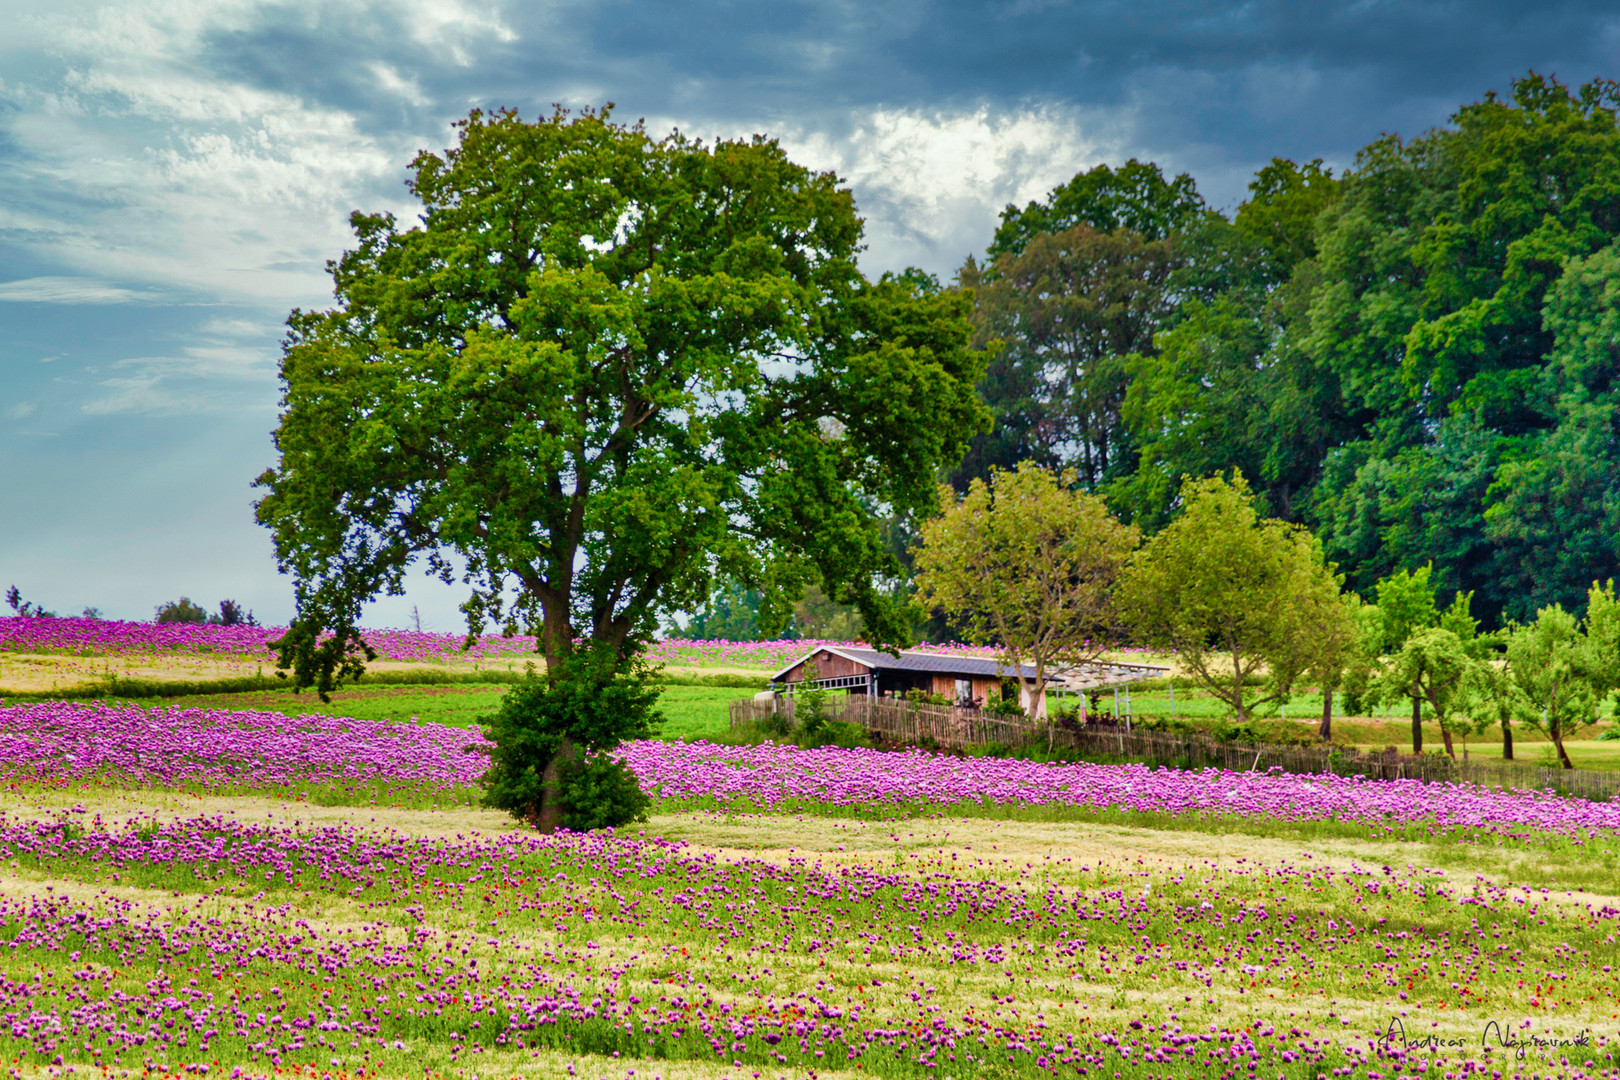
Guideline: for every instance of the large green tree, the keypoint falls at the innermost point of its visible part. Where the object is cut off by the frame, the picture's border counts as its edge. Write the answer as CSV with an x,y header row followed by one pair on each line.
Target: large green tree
x,y
1434,270
1228,383
602,368
1556,518
1064,316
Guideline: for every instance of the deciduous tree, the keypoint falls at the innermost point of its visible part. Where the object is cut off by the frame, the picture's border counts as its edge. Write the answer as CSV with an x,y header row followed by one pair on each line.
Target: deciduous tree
x,y
1064,316
1236,595
600,369
1136,196
1556,670
1028,564
1434,666
183,610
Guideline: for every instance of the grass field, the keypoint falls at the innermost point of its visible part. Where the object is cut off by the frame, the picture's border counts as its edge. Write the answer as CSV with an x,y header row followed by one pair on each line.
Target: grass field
x,y
690,711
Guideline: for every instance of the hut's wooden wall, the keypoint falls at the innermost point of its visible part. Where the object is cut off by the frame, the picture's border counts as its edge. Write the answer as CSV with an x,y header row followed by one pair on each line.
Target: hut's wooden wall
x,y
828,666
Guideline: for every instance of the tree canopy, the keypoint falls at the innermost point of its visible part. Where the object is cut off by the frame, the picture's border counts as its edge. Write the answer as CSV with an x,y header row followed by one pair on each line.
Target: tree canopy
x,y
1414,358
1064,316
1236,595
1027,563
1135,197
601,369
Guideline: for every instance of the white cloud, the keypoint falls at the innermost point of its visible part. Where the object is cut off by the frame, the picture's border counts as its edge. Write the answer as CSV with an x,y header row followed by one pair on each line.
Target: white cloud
x,y
229,365
65,290
932,184
391,81
438,24
142,394
22,410
181,175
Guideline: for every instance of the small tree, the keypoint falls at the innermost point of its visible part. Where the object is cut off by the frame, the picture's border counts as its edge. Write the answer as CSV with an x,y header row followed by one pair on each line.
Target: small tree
x,y
1235,595
182,610
1435,666
1603,634
1498,697
1559,673
1406,607
1349,666
548,767
233,614
1029,564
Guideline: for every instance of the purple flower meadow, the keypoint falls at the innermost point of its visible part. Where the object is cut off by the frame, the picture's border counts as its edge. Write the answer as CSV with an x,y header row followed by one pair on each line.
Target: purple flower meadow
x,y
606,944
67,743
108,637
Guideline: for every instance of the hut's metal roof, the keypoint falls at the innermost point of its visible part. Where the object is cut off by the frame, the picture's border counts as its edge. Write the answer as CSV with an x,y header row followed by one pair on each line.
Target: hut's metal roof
x,y
1086,677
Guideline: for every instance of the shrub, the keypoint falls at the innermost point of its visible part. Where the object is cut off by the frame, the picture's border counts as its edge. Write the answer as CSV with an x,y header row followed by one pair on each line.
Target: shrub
x,y
233,614
811,705
587,704
1004,706
600,792
840,733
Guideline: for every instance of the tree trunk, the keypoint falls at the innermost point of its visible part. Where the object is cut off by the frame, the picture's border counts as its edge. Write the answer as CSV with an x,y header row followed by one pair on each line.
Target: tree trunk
x,y
1558,741
550,815
1417,724
1507,739
1445,736
1325,730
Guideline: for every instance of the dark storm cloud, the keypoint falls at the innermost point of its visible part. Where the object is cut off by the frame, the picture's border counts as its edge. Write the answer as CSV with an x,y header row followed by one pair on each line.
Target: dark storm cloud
x,y
1027,46
1215,87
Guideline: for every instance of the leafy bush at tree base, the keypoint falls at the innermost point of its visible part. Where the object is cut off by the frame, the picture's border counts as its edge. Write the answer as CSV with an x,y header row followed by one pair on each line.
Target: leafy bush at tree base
x,y
587,703
600,792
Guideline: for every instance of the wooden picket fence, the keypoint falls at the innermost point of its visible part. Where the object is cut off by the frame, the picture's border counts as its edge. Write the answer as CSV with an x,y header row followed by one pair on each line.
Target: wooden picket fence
x,y
943,727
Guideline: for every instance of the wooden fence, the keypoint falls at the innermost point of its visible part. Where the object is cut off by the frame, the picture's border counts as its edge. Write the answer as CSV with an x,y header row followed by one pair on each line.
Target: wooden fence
x,y
948,728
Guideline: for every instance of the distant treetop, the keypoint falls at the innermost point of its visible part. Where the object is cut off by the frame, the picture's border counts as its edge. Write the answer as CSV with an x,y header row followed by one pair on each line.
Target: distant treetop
x,y
1136,196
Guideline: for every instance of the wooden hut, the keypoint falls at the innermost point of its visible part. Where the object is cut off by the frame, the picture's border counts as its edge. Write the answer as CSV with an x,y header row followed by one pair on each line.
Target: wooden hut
x,y
967,681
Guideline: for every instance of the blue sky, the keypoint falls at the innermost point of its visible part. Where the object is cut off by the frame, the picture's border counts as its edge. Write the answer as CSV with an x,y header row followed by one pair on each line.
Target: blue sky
x,y
175,173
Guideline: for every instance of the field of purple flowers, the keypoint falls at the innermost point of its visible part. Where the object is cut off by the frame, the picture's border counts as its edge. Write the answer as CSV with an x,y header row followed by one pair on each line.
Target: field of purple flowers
x,y
324,758
386,953
212,944
341,760
864,782
107,637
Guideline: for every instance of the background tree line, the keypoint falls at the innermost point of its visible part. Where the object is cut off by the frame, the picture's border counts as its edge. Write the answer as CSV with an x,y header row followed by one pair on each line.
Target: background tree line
x,y
1415,359
1044,572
